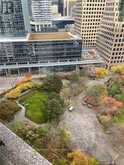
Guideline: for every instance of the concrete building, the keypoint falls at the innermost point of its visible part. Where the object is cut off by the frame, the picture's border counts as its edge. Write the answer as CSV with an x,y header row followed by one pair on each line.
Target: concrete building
x,y
69,5
110,40
64,23
14,18
88,14
41,15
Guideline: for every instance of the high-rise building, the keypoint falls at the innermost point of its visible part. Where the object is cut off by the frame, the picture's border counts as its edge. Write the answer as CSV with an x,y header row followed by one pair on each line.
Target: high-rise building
x,y
13,18
41,10
61,7
88,14
110,40
69,5
41,15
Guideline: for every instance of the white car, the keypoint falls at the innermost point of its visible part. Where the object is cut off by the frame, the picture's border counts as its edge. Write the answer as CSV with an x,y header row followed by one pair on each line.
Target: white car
x,y
71,108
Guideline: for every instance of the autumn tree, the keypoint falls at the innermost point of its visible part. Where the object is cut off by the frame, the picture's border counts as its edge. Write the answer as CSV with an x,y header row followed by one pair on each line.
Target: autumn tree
x,y
52,84
95,94
80,158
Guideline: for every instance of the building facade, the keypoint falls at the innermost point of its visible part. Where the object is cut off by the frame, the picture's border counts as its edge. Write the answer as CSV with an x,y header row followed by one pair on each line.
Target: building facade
x,y
41,15
61,7
54,47
40,48
88,14
14,19
19,47
110,40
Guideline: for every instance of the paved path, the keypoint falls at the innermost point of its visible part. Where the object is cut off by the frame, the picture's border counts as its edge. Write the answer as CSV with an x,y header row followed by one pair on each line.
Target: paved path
x,y
86,132
7,83
20,117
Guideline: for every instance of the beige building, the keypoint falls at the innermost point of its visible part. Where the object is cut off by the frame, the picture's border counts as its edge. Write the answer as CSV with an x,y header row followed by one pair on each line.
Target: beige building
x,y
110,40
88,14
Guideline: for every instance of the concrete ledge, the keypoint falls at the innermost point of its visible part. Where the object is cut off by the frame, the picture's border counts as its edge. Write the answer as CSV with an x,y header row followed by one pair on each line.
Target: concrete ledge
x,y
16,151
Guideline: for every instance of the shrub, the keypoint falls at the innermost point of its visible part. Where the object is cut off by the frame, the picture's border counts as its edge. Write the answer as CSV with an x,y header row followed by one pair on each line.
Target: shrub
x,y
16,92
46,139
95,94
7,109
119,117
114,89
80,158
101,72
52,84
60,162
74,77
118,69
105,120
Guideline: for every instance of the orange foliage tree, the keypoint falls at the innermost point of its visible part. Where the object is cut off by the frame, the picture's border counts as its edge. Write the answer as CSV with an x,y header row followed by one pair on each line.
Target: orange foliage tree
x,y
113,105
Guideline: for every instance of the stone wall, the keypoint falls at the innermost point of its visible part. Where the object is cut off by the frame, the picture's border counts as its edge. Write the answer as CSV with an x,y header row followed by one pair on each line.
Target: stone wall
x,y
16,151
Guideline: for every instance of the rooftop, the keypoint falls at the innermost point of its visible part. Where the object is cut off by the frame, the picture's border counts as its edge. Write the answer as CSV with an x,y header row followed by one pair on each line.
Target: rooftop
x,y
51,36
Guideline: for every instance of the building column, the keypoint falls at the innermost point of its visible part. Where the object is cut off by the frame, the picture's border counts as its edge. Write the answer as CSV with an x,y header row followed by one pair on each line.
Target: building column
x,y
18,72
77,68
29,70
6,72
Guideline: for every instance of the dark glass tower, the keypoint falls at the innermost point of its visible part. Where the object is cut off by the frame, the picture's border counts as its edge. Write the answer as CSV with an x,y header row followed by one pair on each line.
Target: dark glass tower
x,y
13,18
61,7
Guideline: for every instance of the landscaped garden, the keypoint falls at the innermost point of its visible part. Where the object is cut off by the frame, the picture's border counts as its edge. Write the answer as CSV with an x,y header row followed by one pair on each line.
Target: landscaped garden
x,y
46,102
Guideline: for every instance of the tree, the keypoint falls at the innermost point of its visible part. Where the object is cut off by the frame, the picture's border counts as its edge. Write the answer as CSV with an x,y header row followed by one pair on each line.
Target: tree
x,y
114,89
95,94
119,68
52,84
57,97
7,109
53,110
80,158
101,72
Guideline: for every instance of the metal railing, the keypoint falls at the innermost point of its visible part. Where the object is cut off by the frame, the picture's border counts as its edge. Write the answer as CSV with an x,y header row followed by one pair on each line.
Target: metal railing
x,y
50,64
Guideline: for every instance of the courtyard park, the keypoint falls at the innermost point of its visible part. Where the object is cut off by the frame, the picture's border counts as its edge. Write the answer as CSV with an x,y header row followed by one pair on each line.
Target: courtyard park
x,y
89,133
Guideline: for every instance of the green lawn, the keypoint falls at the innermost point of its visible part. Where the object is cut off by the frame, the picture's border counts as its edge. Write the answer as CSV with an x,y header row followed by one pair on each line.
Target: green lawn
x,y
35,108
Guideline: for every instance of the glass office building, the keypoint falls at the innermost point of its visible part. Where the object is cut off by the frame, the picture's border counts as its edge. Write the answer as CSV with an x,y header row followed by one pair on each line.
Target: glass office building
x,y
41,47
20,47
13,18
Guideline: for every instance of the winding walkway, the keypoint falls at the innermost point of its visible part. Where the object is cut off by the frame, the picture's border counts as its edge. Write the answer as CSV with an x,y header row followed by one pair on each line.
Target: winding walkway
x,y
20,117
